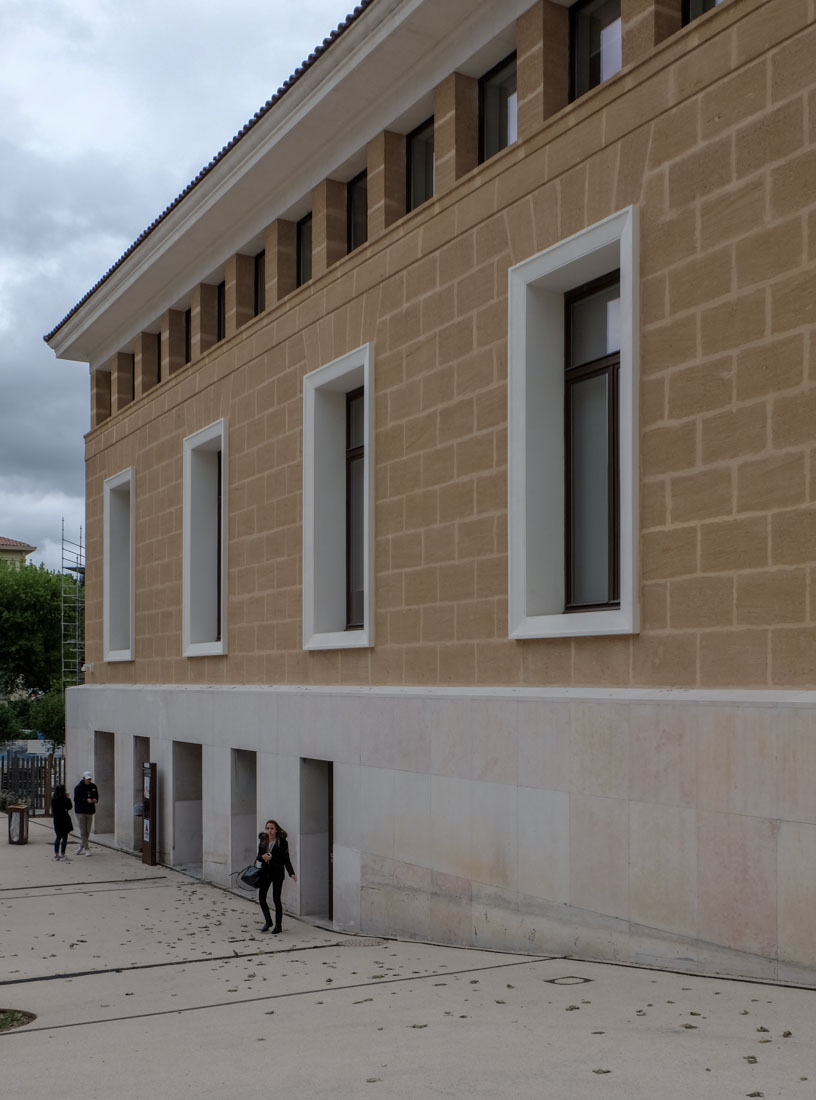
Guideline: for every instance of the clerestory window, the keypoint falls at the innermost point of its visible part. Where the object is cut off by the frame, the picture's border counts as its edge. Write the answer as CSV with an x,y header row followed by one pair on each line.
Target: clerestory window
x,y
595,43
692,9
303,249
498,108
419,146
357,211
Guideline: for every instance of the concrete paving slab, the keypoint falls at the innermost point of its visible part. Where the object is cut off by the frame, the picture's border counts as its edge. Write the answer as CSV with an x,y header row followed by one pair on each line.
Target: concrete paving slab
x,y
143,980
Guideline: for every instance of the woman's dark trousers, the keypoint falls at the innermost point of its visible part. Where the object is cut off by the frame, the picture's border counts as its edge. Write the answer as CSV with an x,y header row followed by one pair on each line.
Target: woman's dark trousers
x,y
277,886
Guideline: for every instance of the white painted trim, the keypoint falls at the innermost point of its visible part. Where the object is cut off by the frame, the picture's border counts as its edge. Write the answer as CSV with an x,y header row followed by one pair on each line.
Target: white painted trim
x,y
749,697
198,601
535,437
324,501
118,584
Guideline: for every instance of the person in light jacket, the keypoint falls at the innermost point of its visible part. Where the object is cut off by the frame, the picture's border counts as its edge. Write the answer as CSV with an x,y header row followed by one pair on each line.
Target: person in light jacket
x,y
86,796
273,856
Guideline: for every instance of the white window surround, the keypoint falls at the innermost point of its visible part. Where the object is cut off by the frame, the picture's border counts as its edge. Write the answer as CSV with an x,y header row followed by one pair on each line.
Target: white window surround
x,y
324,501
536,429
199,547
118,567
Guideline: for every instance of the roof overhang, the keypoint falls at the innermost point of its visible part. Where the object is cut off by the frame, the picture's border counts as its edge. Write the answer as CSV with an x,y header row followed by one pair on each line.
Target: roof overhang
x,y
380,74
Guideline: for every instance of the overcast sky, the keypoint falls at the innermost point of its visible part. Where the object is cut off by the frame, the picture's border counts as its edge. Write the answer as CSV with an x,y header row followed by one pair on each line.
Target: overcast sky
x,y
108,108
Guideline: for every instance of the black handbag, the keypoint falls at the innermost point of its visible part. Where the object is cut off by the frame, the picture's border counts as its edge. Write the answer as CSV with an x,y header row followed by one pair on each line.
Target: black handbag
x,y
250,877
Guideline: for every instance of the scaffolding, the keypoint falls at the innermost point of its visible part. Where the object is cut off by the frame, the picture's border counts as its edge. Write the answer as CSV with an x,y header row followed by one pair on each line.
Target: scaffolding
x,y
73,610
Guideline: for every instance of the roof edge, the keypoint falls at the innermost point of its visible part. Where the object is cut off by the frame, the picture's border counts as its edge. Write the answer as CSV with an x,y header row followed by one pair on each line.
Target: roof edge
x,y
299,72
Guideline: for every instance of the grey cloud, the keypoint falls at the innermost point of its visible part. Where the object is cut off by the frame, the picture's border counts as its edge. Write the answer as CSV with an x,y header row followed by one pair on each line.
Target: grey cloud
x,y
107,111
46,206
36,518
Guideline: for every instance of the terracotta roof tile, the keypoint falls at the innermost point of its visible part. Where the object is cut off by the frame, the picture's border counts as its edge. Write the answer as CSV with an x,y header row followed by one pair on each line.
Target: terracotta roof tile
x,y
13,544
270,103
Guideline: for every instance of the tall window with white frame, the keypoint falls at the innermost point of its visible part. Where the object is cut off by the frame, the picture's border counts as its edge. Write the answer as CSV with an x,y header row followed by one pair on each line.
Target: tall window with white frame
x,y
573,435
355,510
204,542
219,541
118,567
338,503
592,478
596,44
498,108
419,163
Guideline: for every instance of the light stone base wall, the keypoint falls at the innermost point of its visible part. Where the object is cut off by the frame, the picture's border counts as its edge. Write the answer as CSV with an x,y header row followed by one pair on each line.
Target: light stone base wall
x,y
663,828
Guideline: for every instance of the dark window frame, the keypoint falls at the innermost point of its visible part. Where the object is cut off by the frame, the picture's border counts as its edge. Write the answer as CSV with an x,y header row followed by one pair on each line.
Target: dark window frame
x,y
259,284
686,15
353,454
188,335
608,365
574,12
410,204
301,274
220,312
351,186
483,80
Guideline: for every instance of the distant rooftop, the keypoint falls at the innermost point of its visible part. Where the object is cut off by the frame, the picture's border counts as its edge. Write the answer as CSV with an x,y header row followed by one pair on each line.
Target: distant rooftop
x,y
13,544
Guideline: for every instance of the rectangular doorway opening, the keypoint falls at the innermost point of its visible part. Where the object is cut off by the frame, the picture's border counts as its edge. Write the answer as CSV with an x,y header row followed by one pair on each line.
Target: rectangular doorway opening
x,y
188,845
141,755
243,810
315,873
104,776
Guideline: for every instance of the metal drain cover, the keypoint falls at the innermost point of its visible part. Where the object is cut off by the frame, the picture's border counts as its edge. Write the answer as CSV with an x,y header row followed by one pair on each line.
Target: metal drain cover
x,y
569,979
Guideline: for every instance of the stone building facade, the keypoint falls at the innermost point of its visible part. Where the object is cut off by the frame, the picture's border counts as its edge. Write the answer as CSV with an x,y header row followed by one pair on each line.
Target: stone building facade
x,y
473,536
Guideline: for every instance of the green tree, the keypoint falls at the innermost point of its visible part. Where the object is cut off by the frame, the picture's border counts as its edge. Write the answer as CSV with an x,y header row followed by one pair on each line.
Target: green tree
x,y
9,723
30,628
43,714
47,715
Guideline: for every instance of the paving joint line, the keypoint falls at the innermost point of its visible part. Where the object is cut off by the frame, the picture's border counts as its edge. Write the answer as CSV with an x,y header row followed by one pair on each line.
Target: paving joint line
x,y
97,882
277,996
77,891
100,973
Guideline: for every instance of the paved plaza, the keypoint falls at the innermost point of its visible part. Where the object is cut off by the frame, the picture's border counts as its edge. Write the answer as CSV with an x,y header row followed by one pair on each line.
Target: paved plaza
x,y
145,982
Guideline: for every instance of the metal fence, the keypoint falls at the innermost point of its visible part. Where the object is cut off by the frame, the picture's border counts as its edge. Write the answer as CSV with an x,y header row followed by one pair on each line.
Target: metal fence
x,y
33,777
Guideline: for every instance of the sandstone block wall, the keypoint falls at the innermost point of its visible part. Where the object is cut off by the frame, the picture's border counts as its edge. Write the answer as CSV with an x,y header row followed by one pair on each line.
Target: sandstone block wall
x,y
712,133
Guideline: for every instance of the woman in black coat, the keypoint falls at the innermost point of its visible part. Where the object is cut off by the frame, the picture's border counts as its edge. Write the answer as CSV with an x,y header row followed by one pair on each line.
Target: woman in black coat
x,y
273,856
60,805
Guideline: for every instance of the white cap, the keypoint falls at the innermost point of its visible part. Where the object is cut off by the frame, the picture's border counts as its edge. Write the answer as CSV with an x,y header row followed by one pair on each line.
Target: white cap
x,y
87,775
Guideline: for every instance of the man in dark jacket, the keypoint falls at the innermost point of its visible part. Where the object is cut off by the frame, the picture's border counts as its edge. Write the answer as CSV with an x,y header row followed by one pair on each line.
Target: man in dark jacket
x,y
86,797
